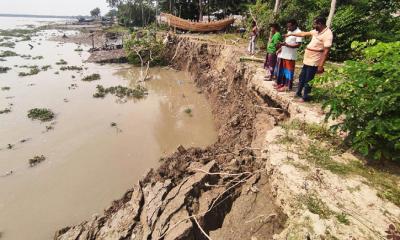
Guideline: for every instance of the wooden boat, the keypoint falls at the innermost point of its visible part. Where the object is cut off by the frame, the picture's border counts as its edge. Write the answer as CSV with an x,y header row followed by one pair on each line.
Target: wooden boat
x,y
183,24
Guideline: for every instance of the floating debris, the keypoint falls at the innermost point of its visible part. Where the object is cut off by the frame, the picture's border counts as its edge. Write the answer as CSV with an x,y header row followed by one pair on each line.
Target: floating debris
x,y
37,58
42,114
8,44
5,88
121,92
5,110
36,160
62,62
71,68
10,146
93,77
46,67
56,72
73,86
4,69
7,53
33,71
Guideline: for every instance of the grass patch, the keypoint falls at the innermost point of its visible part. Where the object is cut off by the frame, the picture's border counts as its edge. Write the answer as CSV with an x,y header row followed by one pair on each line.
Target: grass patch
x,y
92,77
71,68
325,144
78,49
342,218
4,69
22,33
42,114
188,111
61,62
8,44
36,160
26,56
8,53
316,206
37,58
5,88
33,71
121,92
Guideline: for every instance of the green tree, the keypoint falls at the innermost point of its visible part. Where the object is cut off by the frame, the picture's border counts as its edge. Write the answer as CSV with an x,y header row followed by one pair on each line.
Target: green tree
x,y
95,12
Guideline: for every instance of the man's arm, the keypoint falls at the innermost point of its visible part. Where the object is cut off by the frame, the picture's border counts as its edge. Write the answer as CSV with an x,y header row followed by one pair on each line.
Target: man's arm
x,y
323,60
296,45
300,34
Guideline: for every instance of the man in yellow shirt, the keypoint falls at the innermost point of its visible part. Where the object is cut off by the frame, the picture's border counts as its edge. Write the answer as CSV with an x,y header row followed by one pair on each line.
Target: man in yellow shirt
x,y
315,54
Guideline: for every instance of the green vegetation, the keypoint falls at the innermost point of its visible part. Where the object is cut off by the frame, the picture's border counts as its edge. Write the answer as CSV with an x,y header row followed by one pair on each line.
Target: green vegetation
x,y
92,77
46,67
364,96
316,206
61,62
33,71
78,49
342,218
4,69
5,88
37,58
121,92
5,110
42,114
20,33
71,68
26,56
145,49
353,20
188,111
36,160
8,44
7,53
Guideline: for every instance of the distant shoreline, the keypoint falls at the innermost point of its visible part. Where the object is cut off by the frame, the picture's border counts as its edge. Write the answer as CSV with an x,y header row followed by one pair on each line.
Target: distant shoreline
x,y
34,16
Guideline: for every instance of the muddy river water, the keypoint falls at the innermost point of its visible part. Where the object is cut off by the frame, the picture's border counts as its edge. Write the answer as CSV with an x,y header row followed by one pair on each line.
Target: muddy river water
x,y
88,162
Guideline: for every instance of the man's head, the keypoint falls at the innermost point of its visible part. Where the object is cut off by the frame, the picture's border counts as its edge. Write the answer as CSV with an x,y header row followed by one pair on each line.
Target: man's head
x,y
319,23
274,28
291,25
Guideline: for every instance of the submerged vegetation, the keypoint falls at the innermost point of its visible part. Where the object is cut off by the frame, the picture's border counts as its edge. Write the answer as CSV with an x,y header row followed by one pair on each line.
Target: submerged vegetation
x,y
36,160
71,68
4,69
92,77
42,114
33,71
8,53
144,48
61,62
121,92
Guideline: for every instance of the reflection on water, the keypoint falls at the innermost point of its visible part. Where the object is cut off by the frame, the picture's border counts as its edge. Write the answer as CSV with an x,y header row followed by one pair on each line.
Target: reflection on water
x,y
88,162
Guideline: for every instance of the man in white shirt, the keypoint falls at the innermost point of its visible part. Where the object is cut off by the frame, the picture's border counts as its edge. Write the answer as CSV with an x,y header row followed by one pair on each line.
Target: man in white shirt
x,y
287,56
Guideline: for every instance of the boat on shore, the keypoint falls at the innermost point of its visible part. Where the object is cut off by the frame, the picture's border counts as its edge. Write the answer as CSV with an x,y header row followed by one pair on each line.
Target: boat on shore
x,y
187,25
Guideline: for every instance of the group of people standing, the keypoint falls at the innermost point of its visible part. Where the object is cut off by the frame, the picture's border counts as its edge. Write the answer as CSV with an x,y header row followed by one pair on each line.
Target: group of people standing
x,y
281,56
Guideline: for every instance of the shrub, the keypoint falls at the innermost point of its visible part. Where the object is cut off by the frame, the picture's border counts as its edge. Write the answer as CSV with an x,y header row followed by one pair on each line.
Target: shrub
x,y
149,49
41,114
366,93
92,77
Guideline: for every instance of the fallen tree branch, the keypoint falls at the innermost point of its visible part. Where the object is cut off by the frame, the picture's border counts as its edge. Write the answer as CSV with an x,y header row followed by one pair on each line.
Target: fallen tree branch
x,y
201,229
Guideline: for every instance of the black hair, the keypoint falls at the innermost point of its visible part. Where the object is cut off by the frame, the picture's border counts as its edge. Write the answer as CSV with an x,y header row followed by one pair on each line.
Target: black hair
x,y
293,22
275,25
320,20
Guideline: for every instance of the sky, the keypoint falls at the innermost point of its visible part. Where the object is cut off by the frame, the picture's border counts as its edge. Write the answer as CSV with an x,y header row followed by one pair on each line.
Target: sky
x,y
52,7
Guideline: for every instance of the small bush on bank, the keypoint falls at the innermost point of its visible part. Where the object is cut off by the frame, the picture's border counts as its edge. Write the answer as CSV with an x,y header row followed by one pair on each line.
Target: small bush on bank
x,y
365,93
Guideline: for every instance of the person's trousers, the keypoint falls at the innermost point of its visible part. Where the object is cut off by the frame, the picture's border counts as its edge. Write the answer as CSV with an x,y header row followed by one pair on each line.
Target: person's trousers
x,y
252,45
307,74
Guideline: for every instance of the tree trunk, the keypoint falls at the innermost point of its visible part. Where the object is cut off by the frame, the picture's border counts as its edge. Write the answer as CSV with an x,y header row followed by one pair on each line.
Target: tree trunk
x,y
200,10
331,13
276,9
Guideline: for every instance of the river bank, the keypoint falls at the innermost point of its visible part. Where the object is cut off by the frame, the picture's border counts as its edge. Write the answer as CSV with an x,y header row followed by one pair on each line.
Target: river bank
x,y
93,148
254,182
